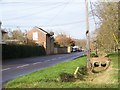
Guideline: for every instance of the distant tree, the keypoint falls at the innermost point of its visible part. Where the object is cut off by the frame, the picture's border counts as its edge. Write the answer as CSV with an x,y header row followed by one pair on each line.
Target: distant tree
x,y
70,41
17,37
56,44
63,40
81,43
17,34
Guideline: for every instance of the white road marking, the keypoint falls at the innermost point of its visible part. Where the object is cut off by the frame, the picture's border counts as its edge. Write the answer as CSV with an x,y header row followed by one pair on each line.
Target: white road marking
x,y
59,57
54,59
47,61
36,63
23,66
5,69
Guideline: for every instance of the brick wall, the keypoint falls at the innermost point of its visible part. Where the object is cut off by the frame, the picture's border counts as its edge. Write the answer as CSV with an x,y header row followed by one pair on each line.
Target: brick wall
x,y
41,36
43,39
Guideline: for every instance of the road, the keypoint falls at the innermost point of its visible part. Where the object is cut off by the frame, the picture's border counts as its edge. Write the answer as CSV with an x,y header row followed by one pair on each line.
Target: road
x,y
14,68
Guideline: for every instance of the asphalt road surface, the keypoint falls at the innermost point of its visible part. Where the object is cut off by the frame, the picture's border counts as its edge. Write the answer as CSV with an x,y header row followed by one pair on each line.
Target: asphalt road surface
x,y
18,67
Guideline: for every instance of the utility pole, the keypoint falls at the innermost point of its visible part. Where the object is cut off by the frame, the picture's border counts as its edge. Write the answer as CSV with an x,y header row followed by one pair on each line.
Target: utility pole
x,y
87,36
0,56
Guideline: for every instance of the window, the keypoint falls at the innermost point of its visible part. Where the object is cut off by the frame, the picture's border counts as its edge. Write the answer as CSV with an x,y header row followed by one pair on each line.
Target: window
x,y
35,35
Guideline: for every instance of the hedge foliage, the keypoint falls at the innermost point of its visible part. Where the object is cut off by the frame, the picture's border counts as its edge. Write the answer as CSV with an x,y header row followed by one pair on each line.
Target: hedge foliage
x,y
21,51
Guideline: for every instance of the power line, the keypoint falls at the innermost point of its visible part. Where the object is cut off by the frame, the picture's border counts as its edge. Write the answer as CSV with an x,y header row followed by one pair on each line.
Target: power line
x,y
60,11
37,13
11,2
35,7
31,2
32,14
63,24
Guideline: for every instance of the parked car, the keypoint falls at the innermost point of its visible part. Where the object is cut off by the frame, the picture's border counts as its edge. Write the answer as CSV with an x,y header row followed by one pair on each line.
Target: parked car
x,y
75,49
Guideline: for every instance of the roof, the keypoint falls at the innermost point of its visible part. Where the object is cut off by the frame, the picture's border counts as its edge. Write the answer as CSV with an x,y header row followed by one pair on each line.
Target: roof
x,y
3,31
43,30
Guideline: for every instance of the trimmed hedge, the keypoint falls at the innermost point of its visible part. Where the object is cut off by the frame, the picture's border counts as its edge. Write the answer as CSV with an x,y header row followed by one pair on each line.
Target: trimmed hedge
x,y
21,51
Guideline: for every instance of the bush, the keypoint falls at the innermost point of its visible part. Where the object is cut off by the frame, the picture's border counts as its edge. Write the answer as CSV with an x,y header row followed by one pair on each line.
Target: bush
x,y
65,77
94,55
81,73
21,51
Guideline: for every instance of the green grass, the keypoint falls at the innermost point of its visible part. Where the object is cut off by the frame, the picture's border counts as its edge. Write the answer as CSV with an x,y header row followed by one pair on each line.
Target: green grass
x,y
114,59
47,76
50,77
115,65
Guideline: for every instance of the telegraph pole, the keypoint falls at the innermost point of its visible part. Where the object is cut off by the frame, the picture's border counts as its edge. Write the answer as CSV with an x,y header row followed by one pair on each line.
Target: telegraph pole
x,y
0,55
87,36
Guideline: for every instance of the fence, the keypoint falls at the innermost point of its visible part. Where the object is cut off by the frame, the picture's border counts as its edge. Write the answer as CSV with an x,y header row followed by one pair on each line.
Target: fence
x,y
21,51
60,50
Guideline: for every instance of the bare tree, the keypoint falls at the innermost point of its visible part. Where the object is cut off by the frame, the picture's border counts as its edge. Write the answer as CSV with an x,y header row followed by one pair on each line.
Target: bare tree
x,y
107,12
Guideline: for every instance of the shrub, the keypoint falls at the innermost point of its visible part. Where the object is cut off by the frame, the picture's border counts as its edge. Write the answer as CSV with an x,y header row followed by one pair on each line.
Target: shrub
x,y
21,51
65,77
94,55
81,73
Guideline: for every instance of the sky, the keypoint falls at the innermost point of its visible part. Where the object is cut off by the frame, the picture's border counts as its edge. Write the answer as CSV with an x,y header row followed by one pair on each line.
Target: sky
x,y
59,16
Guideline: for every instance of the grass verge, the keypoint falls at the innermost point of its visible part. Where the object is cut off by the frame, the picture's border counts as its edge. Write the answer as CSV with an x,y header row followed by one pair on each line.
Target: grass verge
x,y
50,77
115,65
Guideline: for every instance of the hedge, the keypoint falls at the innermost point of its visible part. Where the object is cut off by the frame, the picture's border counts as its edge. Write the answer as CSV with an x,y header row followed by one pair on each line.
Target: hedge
x,y
21,51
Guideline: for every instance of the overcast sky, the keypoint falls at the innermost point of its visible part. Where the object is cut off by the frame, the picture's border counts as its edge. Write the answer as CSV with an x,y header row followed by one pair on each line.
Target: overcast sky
x,y
59,16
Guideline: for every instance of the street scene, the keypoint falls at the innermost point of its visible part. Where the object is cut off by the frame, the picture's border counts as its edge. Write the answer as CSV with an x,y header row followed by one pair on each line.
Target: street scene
x,y
25,66
59,44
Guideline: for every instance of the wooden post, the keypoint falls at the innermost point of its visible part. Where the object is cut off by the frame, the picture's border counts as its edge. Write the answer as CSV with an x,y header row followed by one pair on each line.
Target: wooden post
x,y
88,37
0,56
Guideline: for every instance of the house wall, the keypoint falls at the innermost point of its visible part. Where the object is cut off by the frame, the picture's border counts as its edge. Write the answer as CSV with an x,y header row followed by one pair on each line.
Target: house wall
x,y
43,39
48,48
41,36
50,45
